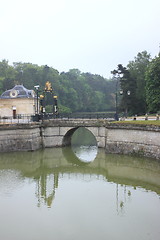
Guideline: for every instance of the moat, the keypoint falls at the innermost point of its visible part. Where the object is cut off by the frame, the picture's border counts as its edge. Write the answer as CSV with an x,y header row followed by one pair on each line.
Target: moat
x,y
52,194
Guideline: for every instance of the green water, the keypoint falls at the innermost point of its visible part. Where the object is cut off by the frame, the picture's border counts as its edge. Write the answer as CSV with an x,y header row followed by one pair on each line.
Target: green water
x,y
51,194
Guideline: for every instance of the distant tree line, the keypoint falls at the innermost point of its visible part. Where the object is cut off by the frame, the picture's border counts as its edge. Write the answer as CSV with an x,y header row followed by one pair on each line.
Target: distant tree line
x,y
86,92
76,91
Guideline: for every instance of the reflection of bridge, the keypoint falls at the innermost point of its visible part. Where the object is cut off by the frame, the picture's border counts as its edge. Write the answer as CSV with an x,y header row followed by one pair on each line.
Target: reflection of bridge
x,y
40,167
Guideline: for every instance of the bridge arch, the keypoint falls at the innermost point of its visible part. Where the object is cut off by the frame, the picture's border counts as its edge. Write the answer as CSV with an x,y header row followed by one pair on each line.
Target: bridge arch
x,y
68,136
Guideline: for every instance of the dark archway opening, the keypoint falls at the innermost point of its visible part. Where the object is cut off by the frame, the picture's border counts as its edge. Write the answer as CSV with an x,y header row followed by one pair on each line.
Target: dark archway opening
x,y
68,136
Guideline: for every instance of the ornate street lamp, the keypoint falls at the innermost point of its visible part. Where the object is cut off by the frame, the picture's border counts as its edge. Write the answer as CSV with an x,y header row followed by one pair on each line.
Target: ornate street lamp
x,y
128,93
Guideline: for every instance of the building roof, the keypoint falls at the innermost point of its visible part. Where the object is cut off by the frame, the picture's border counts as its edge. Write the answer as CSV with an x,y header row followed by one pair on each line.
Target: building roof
x,y
19,91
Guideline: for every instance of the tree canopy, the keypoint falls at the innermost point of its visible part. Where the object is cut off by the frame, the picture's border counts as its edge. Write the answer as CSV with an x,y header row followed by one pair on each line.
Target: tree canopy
x,y
137,69
138,83
76,91
153,85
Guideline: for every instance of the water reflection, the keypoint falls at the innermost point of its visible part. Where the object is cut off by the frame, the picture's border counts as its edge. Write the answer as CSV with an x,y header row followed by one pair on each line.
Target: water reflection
x,y
54,195
46,167
85,154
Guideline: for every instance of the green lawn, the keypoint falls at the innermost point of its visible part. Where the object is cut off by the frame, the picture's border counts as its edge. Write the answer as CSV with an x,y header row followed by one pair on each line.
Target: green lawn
x,y
142,122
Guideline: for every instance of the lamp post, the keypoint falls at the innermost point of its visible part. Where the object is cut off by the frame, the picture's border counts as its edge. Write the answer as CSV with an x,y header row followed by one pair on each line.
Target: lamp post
x,y
116,114
55,106
127,93
42,104
116,76
37,89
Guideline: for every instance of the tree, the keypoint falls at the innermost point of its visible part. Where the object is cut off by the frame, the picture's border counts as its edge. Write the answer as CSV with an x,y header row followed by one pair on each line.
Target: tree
x,y
127,89
7,76
137,69
153,85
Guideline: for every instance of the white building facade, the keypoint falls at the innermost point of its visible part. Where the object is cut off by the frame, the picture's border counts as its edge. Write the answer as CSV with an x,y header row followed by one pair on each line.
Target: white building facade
x,y
17,101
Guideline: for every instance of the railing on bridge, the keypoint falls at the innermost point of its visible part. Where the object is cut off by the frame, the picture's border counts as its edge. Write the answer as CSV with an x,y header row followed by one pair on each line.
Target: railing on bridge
x,y
20,118
74,116
23,119
91,115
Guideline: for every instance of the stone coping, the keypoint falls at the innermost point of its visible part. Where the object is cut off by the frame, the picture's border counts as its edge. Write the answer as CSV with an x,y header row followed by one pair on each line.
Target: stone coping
x,y
133,126
81,123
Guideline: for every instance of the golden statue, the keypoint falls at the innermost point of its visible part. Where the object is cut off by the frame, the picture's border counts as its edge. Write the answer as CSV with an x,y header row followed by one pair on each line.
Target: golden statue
x,y
48,87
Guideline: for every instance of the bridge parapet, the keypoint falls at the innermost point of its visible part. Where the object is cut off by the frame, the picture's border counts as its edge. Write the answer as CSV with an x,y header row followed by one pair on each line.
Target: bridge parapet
x,y
75,122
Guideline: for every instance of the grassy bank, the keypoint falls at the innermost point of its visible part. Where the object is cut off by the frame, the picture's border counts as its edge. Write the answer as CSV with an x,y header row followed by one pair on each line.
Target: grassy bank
x,y
140,122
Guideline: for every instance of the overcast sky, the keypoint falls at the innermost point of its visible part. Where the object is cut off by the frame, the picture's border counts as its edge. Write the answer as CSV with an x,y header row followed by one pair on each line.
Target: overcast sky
x,y
91,35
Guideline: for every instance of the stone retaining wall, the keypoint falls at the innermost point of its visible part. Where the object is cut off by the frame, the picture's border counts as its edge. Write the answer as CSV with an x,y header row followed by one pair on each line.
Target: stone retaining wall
x,y
133,139
20,138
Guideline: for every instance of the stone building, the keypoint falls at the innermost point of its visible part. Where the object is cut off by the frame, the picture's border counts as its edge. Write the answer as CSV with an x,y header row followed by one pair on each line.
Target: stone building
x,y
17,100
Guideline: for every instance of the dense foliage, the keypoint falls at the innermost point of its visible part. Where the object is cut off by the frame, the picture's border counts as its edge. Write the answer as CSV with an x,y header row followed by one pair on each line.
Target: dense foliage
x,y
137,69
138,83
153,85
76,91
127,89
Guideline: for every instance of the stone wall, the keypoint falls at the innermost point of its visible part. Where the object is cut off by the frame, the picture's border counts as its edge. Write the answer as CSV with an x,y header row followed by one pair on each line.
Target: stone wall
x,y
133,139
20,138
51,137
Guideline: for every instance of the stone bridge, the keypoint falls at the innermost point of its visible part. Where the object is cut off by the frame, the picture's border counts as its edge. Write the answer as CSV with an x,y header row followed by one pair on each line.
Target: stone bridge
x,y
115,138
57,133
